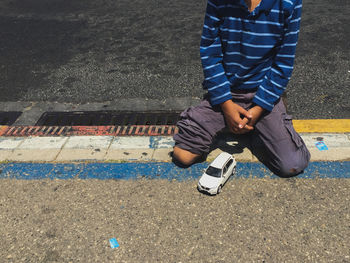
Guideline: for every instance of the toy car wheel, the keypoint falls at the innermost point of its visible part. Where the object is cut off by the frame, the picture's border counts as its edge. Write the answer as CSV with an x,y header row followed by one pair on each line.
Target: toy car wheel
x,y
234,171
219,189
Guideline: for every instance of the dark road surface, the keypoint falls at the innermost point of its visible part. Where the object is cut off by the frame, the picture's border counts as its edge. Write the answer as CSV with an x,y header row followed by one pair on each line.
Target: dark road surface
x,y
73,51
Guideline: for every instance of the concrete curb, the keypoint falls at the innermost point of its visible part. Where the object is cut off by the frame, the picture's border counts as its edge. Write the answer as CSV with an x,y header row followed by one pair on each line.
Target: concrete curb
x,y
146,148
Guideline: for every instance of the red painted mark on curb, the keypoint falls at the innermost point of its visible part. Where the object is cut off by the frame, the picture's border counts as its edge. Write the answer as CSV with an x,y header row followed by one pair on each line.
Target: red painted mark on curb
x,y
132,130
3,129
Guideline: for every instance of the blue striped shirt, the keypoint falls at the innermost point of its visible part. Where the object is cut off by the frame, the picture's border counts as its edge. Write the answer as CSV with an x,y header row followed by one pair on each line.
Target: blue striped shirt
x,y
246,50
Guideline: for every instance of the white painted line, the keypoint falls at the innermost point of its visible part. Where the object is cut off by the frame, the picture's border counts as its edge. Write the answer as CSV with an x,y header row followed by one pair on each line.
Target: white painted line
x,y
138,142
10,143
88,142
42,143
331,140
139,147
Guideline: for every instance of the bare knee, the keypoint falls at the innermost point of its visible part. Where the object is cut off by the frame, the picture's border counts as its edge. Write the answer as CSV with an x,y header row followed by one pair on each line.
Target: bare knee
x,y
286,172
184,157
290,169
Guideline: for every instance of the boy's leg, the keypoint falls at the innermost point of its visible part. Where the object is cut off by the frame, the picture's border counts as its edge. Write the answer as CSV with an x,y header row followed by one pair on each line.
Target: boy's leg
x,y
197,128
185,157
285,151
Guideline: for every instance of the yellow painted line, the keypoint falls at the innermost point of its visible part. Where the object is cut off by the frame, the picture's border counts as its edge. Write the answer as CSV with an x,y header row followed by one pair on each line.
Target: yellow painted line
x,y
3,129
322,126
301,126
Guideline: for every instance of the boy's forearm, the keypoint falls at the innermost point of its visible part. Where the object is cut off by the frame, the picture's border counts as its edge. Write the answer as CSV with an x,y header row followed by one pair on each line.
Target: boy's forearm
x,y
260,110
226,106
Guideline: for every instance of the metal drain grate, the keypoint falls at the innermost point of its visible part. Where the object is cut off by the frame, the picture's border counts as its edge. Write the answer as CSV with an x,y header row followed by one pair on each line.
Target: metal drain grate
x,y
132,130
107,118
9,117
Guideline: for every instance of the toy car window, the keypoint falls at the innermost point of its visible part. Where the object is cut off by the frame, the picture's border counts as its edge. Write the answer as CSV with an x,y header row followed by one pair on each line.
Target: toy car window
x,y
229,163
212,171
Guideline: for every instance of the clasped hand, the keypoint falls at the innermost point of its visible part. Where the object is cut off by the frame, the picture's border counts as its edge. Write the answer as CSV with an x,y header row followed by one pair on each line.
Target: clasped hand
x,y
239,120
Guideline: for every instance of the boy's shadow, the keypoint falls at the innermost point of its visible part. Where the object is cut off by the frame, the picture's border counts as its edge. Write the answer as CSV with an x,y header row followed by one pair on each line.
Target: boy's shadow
x,y
231,143
235,144
224,141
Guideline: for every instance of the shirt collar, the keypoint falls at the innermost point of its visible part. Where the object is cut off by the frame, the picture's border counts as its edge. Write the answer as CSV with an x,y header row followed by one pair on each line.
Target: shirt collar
x,y
265,5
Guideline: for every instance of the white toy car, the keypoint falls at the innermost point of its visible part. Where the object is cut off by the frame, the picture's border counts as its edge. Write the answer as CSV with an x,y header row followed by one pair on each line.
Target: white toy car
x,y
217,173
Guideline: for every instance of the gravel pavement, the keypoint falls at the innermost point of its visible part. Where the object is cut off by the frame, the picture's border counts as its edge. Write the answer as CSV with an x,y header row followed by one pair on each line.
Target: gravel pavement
x,y
252,220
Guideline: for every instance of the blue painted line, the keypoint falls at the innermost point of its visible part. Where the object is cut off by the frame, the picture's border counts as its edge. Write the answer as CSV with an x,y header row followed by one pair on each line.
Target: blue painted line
x,y
158,142
156,170
66,171
27,171
153,142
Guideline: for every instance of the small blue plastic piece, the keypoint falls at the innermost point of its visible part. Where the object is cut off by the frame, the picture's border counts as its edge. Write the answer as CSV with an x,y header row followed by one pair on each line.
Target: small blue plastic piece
x,y
321,146
114,243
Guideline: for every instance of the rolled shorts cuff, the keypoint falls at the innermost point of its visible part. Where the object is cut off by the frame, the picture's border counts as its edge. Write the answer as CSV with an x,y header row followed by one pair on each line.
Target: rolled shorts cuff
x,y
185,147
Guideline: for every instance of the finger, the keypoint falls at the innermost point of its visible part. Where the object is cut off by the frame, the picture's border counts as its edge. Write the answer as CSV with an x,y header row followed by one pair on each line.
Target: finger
x,y
245,113
237,122
243,123
245,129
248,128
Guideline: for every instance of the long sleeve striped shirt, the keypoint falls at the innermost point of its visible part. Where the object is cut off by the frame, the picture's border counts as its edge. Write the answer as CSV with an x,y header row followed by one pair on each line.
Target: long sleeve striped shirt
x,y
247,50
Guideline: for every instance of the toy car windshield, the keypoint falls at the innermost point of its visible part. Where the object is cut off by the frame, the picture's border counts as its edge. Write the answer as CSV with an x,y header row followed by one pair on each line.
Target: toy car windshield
x,y
212,171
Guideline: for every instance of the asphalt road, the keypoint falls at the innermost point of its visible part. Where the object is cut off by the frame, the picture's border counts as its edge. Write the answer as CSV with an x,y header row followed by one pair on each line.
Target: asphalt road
x,y
252,220
74,51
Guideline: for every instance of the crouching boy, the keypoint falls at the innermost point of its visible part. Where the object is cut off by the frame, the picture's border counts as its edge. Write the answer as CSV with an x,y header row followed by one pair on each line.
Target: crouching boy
x,y
247,53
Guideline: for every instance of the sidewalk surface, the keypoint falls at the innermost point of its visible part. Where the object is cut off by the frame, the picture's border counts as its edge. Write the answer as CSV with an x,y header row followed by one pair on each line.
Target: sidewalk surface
x,y
324,146
146,148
